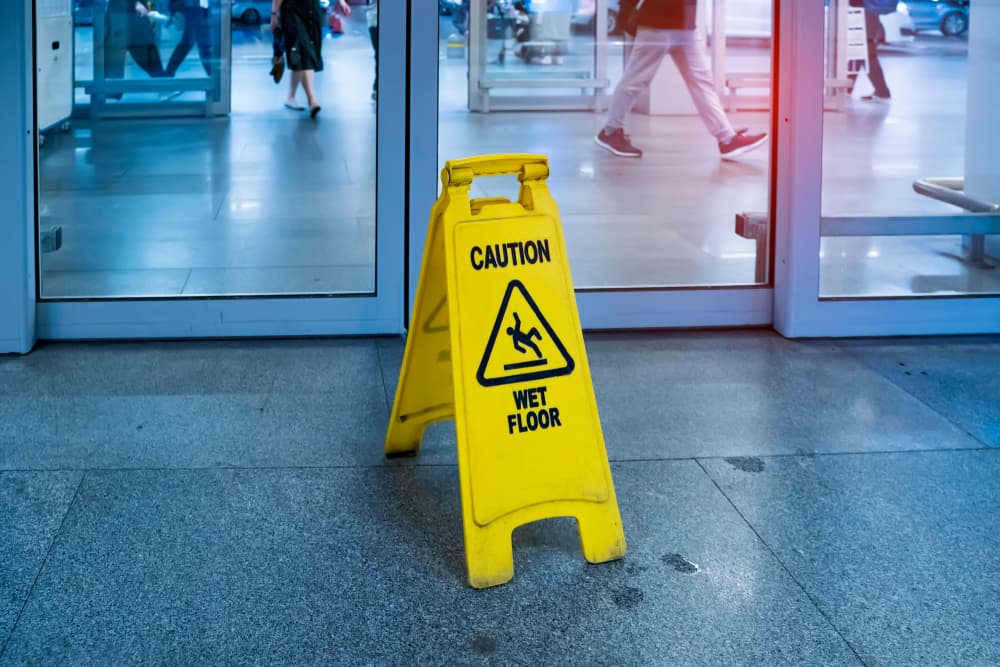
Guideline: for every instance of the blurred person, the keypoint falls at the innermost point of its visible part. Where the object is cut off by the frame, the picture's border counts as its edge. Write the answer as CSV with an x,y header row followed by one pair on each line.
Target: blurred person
x,y
196,31
873,30
460,18
371,17
301,23
669,27
550,29
128,29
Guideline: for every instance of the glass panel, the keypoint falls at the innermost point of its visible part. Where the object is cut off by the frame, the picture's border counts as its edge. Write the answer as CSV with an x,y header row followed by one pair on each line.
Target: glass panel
x,y
141,49
896,113
157,190
666,219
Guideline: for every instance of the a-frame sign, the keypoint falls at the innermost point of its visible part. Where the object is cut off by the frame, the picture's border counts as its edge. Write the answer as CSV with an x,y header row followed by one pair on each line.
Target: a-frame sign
x,y
508,363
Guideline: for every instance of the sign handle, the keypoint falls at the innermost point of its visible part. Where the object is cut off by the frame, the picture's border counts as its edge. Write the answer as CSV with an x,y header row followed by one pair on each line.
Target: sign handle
x,y
528,166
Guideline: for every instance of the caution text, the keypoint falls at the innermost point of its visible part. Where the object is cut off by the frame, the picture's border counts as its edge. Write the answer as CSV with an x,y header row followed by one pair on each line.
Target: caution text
x,y
533,412
513,253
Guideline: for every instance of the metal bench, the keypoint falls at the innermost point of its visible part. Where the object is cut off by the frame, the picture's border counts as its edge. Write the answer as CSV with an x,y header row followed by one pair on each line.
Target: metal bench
x,y
582,80
108,87
983,218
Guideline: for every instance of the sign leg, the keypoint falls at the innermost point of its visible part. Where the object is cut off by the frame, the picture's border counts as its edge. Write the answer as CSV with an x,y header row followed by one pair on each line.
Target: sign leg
x,y
489,555
601,535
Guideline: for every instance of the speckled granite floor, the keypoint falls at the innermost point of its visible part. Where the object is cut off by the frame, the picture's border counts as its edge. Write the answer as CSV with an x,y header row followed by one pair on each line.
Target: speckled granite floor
x,y
820,502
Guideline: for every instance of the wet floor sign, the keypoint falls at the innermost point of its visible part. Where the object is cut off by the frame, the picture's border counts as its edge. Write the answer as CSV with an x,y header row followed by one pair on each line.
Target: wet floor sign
x,y
495,342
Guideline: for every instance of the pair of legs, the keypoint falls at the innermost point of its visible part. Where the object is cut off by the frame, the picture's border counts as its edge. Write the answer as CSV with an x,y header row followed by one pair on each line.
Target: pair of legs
x,y
687,48
306,79
873,28
125,32
196,31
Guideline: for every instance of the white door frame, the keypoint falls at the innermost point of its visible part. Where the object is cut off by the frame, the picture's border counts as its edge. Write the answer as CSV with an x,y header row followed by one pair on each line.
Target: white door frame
x,y
381,313
599,309
799,311
17,181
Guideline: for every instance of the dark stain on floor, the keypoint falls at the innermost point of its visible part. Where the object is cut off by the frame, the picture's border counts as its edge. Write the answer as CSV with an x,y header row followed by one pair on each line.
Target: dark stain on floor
x,y
484,645
628,597
746,463
680,563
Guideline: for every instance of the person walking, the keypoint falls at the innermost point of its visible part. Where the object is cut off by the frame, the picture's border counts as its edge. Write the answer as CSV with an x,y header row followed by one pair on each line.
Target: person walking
x,y
127,30
371,18
195,13
301,23
873,32
668,27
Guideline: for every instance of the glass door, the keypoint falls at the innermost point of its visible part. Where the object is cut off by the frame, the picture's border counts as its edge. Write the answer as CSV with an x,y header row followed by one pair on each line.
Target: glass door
x,y
672,229
278,213
890,170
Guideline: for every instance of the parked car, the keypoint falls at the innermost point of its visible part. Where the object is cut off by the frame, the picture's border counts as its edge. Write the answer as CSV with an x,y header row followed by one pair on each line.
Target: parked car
x,y
251,12
585,16
951,17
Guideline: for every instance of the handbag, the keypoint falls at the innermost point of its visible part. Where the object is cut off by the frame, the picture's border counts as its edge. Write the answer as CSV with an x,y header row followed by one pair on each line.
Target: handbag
x,y
336,25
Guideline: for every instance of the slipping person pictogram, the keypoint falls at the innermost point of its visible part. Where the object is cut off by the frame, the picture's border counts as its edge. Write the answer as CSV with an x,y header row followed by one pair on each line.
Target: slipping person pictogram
x,y
500,365
519,338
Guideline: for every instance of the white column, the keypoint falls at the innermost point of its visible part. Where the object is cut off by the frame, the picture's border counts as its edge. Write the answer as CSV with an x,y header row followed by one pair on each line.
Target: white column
x,y
17,181
982,140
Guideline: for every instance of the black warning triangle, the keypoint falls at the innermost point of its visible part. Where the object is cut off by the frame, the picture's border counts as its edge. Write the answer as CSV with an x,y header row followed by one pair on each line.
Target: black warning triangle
x,y
532,369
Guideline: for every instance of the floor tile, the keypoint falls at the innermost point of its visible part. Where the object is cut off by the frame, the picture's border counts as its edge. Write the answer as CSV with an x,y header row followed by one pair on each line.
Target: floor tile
x,y
32,506
193,404
141,369
742,393
127,431
733,394
958,377
366,567
898,550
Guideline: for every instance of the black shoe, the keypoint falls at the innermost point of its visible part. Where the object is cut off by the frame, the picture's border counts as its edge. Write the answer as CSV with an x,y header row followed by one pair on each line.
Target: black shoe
x,y
740,144
617,142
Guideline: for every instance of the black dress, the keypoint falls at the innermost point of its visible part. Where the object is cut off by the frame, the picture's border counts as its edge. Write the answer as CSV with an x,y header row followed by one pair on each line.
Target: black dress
x,y
302,29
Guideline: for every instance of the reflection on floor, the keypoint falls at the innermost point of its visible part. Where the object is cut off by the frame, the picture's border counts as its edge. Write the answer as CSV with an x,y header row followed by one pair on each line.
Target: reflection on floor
x,y
267,202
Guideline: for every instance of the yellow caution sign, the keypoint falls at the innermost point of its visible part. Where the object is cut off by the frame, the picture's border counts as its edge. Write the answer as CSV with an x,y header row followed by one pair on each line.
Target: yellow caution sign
x,y
495,342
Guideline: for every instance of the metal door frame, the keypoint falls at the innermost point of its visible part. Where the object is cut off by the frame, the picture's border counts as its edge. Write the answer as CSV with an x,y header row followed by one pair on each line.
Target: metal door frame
x,y
799,310
599,308
378,313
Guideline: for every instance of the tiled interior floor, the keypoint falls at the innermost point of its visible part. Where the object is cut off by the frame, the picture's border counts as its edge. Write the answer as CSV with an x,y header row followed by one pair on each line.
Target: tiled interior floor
x,y
228,502
265,202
